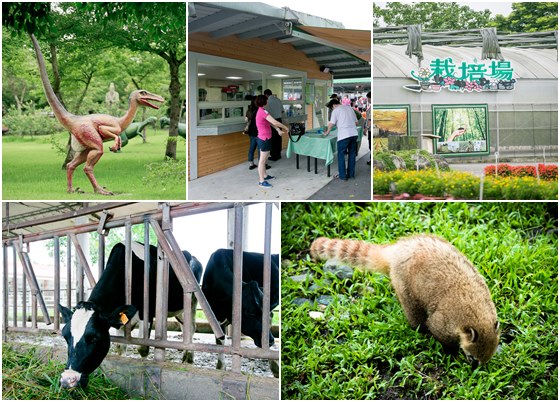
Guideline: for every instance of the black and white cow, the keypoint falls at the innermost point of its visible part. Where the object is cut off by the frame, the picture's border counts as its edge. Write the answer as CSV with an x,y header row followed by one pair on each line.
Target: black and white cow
x,y
217,286
87,327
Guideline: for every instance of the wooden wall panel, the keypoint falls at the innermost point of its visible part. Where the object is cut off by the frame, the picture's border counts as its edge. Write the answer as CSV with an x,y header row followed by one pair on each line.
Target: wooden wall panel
x,y
269,52
220,152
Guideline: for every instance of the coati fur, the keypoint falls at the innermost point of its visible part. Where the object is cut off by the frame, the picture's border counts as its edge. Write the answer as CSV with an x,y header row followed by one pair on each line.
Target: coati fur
x,y
437,286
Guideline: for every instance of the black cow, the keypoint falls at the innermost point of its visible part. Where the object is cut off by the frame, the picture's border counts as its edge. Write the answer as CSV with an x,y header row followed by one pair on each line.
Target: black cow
x,y
217,286
87,328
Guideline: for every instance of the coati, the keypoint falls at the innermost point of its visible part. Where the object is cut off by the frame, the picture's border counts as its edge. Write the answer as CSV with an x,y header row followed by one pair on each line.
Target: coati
x,y
438,288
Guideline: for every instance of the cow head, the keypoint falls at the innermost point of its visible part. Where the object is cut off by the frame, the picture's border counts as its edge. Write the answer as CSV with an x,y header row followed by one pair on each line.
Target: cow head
x,y
87,335
251,319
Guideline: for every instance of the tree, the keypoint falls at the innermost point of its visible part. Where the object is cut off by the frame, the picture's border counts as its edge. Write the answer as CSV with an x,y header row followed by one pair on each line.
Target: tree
x,y
158,28
27,17
18,70
529,17
431,15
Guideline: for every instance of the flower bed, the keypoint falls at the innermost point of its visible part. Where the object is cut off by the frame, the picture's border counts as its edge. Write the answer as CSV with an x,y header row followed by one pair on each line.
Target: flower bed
x,y
462,185
546,172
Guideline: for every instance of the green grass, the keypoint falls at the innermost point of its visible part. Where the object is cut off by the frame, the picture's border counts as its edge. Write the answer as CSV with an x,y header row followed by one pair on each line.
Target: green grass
x,y
31,170
363,347
26,375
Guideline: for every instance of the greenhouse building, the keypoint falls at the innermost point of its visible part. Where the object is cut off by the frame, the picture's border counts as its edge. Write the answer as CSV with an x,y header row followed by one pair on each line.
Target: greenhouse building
x,y
445,97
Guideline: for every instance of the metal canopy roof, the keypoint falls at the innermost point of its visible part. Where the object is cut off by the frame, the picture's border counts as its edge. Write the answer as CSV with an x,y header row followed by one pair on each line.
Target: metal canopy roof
x,y
257,20
33,219
466,38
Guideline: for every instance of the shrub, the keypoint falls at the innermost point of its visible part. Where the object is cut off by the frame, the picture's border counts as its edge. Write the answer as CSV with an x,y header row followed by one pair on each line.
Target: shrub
x,y
35,122
409,157
546,172
519,188
463,185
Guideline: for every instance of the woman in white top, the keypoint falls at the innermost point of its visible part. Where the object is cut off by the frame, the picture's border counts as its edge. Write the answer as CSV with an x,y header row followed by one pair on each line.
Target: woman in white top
x,y
344,118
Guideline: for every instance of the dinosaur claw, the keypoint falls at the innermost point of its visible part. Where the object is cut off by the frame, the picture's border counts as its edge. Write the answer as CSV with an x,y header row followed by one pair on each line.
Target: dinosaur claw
x,y
102,191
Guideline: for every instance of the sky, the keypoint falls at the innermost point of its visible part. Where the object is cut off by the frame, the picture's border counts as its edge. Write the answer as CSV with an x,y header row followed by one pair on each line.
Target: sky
x,y
356,14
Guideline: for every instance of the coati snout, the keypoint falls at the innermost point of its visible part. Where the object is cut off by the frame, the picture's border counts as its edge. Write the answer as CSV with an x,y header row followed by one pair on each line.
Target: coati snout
x,y
479,349
437,286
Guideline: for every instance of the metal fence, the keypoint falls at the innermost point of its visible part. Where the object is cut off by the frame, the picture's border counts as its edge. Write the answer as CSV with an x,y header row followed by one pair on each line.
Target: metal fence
x,y
161,220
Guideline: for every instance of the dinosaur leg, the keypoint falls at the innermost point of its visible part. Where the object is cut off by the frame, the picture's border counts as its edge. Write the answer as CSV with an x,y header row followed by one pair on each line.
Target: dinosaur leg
x,y
91,144
112,132
79,158
93,157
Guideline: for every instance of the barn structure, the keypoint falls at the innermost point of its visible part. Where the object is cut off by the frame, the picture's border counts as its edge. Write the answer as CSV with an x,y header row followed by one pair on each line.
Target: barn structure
x,y
242,48
30,306
497,92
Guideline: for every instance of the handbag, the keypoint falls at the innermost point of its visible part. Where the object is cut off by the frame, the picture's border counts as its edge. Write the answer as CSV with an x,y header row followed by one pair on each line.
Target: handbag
x,y
296,130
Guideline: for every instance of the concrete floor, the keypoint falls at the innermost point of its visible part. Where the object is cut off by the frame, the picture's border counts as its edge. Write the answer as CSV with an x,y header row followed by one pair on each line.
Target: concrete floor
x,y
240,183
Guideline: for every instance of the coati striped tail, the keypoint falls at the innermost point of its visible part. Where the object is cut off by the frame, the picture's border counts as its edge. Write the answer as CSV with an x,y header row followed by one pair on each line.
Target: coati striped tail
x,y
356,253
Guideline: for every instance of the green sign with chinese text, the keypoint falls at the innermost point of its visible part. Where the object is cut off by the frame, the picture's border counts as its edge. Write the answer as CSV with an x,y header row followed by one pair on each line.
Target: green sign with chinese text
x,y
494,75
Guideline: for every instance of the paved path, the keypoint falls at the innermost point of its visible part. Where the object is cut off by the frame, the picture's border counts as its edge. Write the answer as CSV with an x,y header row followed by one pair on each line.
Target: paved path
x,y
240,183
352,190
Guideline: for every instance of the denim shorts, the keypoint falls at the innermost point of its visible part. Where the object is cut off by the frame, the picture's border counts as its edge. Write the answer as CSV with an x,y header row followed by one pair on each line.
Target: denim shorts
x,y
264,145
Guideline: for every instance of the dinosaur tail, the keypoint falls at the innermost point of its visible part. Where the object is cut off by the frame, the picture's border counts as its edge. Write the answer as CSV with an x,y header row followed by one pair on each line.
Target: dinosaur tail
x,y
357,253
60,112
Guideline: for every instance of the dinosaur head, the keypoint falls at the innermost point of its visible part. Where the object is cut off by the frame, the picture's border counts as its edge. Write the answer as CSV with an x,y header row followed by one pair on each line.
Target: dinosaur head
x,y
144,98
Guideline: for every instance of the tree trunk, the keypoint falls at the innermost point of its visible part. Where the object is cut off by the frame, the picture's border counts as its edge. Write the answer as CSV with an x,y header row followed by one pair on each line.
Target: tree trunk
x,y
69,153
88,76
175,109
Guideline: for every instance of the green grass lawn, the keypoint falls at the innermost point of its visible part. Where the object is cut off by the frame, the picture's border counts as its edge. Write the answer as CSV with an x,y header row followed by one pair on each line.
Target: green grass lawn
x,y
27,374
31,170
363,348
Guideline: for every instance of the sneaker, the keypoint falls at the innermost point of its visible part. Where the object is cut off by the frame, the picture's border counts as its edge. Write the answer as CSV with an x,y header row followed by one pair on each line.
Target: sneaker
x,y
265,184
269,177
253,166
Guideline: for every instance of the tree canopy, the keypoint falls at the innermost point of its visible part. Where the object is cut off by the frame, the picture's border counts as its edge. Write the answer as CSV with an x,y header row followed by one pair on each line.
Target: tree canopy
x,y
529,17
431,15
90,45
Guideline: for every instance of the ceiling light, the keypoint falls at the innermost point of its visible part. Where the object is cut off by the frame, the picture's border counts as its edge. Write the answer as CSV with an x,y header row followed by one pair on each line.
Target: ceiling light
x,y
280,75
201,74
234,78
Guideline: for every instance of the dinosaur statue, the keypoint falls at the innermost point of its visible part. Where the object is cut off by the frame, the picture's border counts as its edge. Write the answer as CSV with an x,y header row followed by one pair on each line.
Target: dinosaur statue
x,y
90,131
182,127
135,129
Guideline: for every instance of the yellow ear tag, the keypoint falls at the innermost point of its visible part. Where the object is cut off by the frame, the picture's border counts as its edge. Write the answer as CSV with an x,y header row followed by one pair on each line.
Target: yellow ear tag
x,y
124,318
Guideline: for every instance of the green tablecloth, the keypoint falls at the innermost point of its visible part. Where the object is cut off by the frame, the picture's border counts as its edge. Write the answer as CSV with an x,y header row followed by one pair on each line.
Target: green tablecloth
x,y
317,146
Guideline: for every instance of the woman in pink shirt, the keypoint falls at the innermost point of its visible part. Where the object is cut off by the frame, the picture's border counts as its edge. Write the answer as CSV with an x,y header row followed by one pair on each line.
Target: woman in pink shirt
x,y
264,122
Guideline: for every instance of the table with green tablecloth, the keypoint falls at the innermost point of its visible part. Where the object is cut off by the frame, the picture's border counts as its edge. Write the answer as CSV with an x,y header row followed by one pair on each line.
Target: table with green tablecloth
x,y
314,145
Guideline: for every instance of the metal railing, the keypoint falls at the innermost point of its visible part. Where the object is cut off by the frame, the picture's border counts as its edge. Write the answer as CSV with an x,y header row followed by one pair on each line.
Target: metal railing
x,y
161,221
